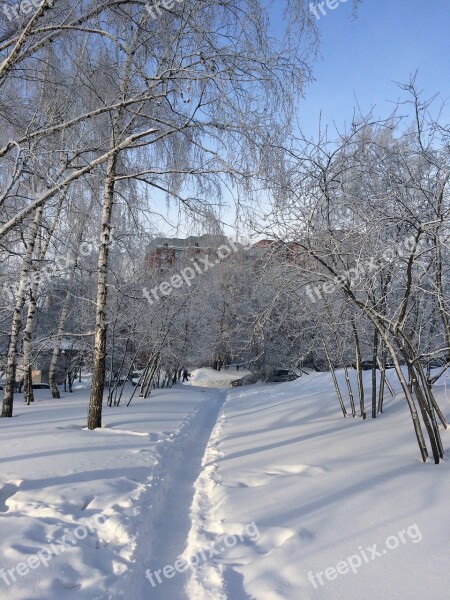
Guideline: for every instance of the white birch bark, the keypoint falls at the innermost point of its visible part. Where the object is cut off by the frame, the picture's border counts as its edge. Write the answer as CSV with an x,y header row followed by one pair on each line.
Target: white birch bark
x,y
8,399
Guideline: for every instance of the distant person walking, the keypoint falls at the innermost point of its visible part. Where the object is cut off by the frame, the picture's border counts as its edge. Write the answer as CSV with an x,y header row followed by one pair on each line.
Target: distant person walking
x,y
185,375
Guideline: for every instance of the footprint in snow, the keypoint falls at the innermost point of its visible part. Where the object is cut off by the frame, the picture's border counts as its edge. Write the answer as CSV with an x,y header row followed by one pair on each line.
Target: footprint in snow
x,y
69,585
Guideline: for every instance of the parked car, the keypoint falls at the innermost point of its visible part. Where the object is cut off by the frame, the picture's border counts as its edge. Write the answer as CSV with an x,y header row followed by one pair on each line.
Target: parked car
x,y
282,375
136,374
35,386
367,365
246,380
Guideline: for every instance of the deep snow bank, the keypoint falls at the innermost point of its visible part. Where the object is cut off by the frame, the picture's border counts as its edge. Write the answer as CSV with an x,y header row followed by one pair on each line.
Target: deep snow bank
x,y
345,508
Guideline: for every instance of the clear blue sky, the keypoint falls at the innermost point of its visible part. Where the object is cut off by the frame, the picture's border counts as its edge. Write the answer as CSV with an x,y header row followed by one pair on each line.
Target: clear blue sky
x,y
362,58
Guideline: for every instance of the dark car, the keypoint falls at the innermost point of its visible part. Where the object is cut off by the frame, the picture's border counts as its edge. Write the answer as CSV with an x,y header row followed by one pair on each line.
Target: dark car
x,y
282,375
35,386
367,365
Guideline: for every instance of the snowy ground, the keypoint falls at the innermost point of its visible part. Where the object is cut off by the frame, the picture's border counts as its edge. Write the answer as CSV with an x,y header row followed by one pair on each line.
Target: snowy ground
x,y
207,377
113,484
256,488
322,492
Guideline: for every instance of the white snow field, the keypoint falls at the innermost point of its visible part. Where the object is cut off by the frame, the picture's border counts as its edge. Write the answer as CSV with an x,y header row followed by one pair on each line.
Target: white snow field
x,y
207,377
262,492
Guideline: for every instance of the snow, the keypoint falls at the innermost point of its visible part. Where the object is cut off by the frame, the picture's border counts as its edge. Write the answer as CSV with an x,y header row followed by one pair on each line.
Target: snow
x,y
320,489
207,377
113,482
253,487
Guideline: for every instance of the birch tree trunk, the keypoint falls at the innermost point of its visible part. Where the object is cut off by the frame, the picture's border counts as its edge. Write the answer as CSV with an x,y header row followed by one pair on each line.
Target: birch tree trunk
x,y
374,373
350,391
27,332
61,322
333,374
11,361
98,373
408,395
359,371
57,345
28,386
382,367
28,329
347,378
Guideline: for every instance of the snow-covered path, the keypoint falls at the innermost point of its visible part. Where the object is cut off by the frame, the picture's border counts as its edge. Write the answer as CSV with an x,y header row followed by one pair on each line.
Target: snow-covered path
x,y
119,497
172,526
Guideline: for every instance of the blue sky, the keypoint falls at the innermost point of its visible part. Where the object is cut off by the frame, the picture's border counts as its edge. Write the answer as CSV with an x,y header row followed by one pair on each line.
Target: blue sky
x,y
362,58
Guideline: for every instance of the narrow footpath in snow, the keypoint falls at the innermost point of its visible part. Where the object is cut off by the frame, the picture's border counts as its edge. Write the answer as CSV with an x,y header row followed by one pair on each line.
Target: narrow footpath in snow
x,y
172,522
